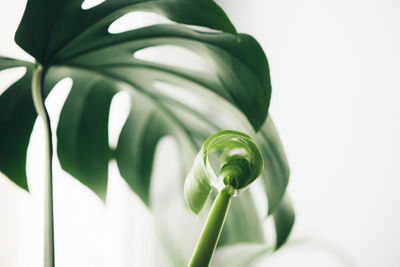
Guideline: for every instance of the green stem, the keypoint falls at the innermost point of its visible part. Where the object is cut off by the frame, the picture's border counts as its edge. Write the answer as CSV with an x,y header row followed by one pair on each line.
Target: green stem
x,y
38,100
212,229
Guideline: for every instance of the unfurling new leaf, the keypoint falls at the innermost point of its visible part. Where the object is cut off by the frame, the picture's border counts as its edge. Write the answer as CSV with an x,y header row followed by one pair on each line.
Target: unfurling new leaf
x,y
240,164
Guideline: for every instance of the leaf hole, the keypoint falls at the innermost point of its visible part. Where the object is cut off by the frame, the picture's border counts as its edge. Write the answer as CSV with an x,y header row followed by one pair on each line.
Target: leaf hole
x,y
194,96
180,94
88,4
119,112
138,19
175,56
135,20
56,98
9,76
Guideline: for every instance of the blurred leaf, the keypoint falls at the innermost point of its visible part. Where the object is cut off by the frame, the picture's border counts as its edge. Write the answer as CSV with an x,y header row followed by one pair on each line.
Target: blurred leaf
x,y
137,143
275,175
283,221
242,212
101,63
239,255
219,115
242,223
17,116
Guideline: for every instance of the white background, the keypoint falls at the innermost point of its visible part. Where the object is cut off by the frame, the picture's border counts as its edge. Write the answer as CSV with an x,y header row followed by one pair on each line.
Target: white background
x,y
335,68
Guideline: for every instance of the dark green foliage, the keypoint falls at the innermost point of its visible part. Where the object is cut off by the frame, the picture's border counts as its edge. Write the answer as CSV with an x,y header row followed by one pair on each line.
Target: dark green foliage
x,y
71,42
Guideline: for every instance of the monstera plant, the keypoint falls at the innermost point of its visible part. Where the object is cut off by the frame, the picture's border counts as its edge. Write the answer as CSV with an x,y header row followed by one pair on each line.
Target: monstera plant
x,y
67,40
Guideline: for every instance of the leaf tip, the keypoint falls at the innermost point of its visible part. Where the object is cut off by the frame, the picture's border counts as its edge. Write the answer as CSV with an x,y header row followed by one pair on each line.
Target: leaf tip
x,y
284,219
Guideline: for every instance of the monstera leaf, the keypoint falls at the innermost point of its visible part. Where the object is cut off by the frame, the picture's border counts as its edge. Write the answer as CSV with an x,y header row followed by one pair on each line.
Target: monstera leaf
x,y
17,116
68,41
101,63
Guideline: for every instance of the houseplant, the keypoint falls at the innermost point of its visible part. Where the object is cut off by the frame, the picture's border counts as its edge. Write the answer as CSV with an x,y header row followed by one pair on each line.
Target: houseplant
x,y
100,64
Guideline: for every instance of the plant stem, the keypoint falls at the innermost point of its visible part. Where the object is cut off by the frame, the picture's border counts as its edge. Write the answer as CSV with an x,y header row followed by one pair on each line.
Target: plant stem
x,y
38,100
212,230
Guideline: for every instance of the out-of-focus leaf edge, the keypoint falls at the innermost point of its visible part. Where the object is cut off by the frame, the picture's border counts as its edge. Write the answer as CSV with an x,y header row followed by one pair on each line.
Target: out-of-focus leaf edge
x,y
17,117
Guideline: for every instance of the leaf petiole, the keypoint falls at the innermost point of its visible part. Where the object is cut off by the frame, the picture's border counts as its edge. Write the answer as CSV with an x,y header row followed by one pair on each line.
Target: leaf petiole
x,y
38,100
212,229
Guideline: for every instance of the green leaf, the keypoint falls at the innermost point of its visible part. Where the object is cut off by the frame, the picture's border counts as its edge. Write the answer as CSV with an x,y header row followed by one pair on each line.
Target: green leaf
x,y
275,175
112,56
71,42
86,52
17,117
83,131
137,143
240,164
283,220
48,27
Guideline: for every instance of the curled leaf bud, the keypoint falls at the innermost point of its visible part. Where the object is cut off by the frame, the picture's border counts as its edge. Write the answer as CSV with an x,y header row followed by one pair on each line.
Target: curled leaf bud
x,y
240,163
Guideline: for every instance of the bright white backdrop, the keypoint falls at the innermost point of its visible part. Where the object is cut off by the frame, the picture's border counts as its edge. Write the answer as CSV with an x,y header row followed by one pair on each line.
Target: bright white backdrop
x,y
335,68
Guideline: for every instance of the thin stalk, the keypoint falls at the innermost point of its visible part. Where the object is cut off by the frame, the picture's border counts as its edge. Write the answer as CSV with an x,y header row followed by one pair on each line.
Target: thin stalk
x,y
212,230
38,100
